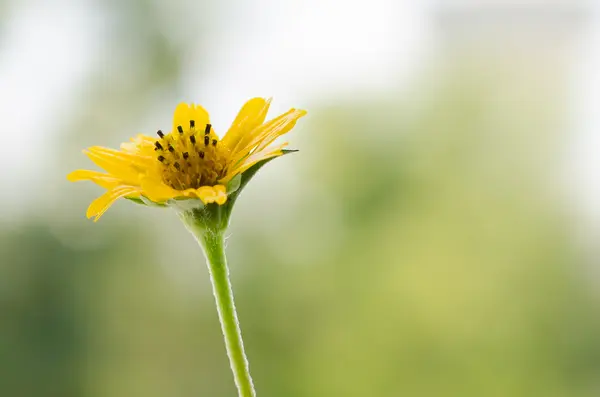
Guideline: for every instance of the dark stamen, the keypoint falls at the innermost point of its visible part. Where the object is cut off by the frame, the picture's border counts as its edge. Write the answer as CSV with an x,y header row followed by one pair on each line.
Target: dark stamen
x,y
186,155
214,142
160,133
193,139
176,165
158,145
161,158
207,130
171,149
206,140
201,154
180,129
192,123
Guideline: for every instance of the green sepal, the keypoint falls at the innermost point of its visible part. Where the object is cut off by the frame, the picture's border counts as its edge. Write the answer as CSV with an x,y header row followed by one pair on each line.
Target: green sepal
x,y
234,184
145,201
186,204
151,203
136,200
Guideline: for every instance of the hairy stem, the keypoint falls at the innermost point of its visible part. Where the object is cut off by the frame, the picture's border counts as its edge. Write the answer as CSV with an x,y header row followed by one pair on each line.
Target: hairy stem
x,y
214,250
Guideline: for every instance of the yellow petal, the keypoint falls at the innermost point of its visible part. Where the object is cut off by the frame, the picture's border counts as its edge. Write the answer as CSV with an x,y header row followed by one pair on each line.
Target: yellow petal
x,y
251,115
254,134
221,194
84,175
157,191
265,134
184,113
209,194
206,193
99,206
254,158
134,159
107,181
140,145
276,132
122,165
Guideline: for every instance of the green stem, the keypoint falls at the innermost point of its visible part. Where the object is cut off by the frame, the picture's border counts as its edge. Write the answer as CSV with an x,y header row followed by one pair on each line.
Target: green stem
x,y
214,250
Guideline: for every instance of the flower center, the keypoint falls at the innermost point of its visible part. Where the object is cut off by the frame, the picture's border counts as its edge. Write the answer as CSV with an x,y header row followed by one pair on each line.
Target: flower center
x,y
190,158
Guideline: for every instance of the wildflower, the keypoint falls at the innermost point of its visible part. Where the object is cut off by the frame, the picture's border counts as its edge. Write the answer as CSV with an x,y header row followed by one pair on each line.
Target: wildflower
x,y
189,163
200,175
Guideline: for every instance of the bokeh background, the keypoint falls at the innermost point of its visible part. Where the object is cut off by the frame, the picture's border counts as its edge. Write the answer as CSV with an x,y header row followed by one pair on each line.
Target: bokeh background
x,y
436,235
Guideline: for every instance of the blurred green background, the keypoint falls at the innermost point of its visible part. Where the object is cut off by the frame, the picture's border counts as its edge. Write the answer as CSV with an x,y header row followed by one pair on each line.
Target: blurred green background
x,y
435,235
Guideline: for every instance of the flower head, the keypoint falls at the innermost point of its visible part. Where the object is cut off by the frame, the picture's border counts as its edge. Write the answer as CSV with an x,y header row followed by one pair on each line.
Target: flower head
x,y
190,162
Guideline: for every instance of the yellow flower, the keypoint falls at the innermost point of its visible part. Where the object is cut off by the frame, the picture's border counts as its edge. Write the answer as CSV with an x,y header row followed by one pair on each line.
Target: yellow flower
x,y
190,161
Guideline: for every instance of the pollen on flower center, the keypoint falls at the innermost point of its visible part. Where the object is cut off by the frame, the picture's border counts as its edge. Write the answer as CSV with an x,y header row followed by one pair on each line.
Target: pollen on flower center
x,y
189,157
